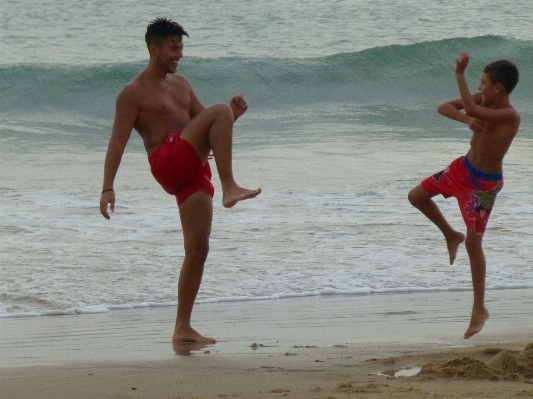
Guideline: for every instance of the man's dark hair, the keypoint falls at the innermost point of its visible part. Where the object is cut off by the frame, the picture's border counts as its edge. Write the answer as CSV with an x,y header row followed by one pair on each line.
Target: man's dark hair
x,y
504,72
161,29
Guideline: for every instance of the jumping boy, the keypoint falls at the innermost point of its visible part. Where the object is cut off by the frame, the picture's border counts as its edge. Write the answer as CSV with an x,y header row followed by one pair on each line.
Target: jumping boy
x,y
475,179
178,133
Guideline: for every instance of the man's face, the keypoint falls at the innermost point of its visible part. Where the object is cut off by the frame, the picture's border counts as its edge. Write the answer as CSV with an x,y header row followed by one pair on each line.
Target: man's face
x,y
169,54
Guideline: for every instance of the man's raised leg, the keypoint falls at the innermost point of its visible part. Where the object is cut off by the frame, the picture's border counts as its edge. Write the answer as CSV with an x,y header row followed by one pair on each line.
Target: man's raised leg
x,y
422,200
478,267
212,130
196,215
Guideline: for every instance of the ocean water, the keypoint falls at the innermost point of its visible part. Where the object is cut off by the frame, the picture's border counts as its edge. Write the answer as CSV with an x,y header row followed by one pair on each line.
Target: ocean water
x,y
342,123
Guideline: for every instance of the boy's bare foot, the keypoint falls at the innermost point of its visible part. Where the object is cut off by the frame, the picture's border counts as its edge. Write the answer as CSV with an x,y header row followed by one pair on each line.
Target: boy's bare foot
x,y
453,243
235,194
479,317
189,334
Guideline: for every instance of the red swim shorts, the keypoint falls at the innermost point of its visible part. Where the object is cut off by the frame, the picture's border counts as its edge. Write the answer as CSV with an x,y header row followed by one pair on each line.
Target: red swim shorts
x,y
475,191
176,166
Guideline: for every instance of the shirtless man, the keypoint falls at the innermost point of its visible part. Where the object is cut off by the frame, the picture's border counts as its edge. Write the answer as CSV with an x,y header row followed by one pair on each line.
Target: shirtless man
x,y
178,133
476,178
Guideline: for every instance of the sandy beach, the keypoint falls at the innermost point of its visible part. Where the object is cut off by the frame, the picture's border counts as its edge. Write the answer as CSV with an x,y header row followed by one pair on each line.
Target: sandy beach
x,y
373,346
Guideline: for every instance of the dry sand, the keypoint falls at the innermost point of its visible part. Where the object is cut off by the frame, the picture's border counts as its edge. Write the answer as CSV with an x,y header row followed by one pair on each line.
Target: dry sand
x,y
127,354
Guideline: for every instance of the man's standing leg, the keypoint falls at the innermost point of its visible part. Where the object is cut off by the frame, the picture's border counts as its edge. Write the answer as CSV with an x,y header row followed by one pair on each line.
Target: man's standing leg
x,y
196,214
478,268
211,130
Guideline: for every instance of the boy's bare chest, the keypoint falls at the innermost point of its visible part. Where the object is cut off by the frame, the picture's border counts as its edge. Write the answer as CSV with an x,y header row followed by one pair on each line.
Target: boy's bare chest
x,y
495,140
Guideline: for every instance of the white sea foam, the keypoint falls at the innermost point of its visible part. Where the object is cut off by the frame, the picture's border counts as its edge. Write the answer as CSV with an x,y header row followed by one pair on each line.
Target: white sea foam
x,y
322,237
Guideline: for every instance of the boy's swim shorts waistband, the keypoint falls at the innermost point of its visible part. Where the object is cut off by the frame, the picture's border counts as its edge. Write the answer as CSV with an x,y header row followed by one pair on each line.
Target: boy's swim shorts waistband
x,y
480,174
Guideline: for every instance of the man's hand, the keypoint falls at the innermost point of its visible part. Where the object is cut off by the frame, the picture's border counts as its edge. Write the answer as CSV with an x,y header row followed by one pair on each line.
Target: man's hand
x,y
238,106
462,62
107,197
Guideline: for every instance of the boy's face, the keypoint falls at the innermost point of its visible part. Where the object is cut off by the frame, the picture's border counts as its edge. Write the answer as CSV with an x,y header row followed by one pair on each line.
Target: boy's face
x,y
488,90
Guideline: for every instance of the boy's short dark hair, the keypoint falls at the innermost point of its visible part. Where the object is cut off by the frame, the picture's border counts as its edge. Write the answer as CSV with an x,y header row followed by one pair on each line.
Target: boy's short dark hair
x,y
161,29
504,72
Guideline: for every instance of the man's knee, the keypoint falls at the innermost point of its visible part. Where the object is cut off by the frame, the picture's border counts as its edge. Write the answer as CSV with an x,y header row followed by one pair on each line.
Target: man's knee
x,y
223,111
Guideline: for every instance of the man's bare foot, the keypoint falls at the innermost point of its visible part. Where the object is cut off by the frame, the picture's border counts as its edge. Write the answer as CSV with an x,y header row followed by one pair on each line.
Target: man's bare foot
x,y
189,334
479,317
186,348
235,194
453,243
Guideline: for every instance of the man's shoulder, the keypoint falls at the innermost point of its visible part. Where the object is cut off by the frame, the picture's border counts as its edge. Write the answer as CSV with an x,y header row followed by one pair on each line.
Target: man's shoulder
x,y
135,84
129,92
144,80
138,82
178,79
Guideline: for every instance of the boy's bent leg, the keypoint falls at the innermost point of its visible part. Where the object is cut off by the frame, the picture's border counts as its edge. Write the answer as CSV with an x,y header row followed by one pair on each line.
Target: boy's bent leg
x,y
478,267
422,200
212,130
196,214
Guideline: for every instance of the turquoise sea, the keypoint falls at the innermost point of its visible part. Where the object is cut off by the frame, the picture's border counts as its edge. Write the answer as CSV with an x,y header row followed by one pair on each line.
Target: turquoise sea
x,y
342,122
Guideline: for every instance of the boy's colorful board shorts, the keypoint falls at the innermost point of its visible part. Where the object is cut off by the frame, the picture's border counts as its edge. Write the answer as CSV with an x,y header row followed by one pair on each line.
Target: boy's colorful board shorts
x,y
176,166
475,191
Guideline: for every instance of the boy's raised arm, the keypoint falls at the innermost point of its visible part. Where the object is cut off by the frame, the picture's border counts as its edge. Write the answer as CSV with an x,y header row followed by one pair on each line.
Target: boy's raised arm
x,y
471,106
454,109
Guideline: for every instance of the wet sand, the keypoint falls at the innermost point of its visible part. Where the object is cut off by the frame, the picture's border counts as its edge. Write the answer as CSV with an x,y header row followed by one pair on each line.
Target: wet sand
x,y
312,347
